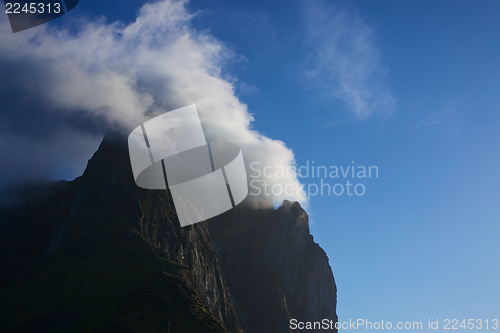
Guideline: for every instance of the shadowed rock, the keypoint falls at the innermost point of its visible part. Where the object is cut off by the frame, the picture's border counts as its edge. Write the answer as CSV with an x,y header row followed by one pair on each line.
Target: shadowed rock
x,y
249,269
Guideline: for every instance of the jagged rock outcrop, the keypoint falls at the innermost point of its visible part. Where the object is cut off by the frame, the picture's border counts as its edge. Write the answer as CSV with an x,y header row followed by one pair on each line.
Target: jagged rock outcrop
x,y
275,270
252,269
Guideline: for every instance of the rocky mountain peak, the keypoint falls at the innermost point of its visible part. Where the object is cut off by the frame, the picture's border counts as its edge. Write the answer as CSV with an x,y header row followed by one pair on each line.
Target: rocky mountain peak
x,y
250,269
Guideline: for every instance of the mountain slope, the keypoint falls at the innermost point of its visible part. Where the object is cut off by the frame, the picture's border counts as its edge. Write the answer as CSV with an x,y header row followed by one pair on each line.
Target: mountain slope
x,y
101,254
275,270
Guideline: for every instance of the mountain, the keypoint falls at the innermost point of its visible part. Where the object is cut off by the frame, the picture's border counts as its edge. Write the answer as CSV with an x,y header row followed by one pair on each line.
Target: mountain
x,y
99,254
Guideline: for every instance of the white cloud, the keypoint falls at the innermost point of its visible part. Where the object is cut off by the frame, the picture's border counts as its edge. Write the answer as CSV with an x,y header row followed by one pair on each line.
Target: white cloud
x,y
157,63
346,61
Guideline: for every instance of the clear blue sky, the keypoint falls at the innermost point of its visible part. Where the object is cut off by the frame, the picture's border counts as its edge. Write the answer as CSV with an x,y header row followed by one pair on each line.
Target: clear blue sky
x,y
423,241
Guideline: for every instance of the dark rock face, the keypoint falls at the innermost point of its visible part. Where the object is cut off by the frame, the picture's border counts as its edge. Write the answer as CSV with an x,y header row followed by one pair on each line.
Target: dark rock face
x,y
275,270
28,227
253,268
163,293
191,247
108,188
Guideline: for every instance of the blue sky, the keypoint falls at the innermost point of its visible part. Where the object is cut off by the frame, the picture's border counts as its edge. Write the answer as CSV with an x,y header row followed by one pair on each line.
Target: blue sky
x,y
409,86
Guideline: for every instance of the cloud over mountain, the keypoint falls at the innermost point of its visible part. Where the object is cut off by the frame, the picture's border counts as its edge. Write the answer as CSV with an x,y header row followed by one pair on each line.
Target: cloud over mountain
x,y
67,86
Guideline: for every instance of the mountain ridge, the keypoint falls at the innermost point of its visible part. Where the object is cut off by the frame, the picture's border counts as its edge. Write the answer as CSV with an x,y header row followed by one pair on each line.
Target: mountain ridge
x,y
104,214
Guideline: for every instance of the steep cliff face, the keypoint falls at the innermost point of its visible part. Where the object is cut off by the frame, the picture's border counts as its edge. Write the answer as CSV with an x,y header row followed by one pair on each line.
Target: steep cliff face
x,y
275,270
108,190
107,254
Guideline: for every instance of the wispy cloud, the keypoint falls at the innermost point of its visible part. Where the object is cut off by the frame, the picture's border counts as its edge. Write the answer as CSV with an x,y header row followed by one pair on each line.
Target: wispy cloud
x,y
345,61
111,73
446,116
